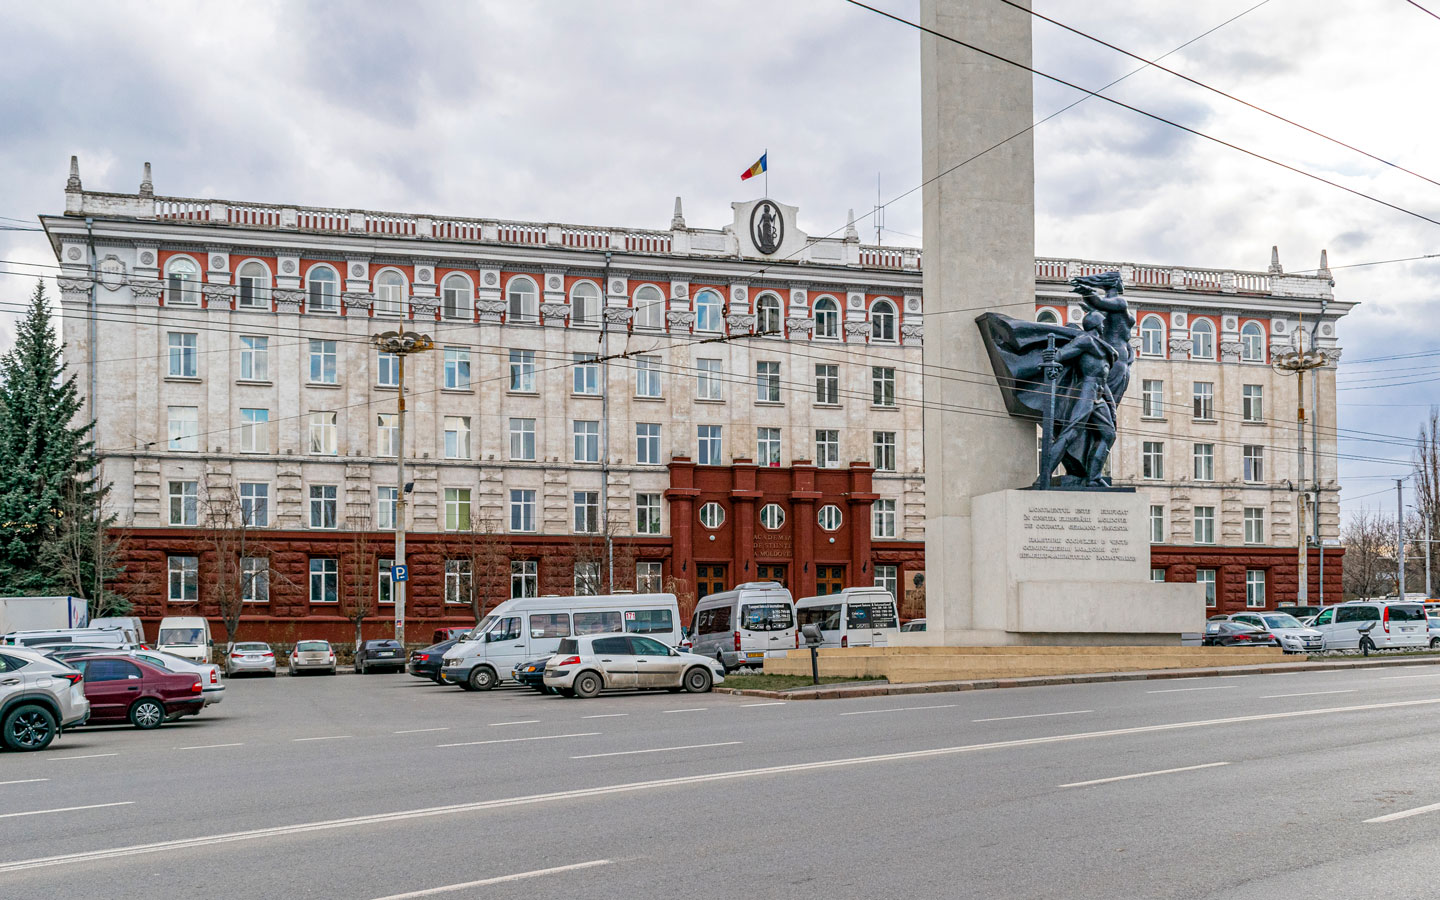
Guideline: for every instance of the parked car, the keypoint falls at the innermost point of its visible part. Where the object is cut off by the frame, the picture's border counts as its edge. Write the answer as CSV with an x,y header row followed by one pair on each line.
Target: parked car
x,y
124,689
532,674
113,637
450,634
584,666
40,697
1293,637
1300,612
741,627
1368,625
251,658
1224,633
212,688
426,662
1433,627
913,625
312,656
853,617
187,636
131,622
381,654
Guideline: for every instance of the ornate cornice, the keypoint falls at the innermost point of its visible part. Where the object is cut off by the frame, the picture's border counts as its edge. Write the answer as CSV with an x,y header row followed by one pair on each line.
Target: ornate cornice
x,y
618,315
740,322
680,317
358,299
288,301
859,329
554,310
800,323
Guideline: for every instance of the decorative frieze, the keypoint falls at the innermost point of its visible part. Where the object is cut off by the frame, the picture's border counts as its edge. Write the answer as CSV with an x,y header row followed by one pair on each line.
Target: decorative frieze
x,y
740,322
680,318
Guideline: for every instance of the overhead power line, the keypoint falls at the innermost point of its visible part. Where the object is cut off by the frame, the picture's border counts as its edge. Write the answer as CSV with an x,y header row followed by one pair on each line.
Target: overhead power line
x,y
1423,9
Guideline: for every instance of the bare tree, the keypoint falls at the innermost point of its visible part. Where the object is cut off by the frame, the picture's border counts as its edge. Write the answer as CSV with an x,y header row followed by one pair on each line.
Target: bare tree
x,y
1369,539
599,557
482,551
241,570
359,593
684,596
83,543
1427,494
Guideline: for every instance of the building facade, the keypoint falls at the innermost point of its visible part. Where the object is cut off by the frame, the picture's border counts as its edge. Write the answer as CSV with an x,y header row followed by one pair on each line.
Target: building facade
x,y
606,408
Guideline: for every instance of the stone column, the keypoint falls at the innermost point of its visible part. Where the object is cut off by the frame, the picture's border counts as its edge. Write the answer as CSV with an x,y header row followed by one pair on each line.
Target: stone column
x,y
861,499
681,495
742,501
979,257
802,512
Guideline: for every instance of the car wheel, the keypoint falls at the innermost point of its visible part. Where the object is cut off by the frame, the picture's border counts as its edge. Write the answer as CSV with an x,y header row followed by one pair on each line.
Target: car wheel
x,y
587,685
29,727
720,658
1366,645
482,678
147,714
698,680
1434,643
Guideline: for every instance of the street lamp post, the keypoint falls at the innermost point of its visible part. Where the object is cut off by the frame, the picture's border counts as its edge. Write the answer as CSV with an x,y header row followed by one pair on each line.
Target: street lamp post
x,y
401,344
1298,361
1421,512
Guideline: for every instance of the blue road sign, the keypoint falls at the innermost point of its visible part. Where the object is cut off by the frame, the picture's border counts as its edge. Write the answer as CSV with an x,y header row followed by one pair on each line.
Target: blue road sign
x,y
399,573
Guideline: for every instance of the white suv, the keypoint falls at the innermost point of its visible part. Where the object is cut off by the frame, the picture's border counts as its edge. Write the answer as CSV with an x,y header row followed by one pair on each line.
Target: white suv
x,y
39,698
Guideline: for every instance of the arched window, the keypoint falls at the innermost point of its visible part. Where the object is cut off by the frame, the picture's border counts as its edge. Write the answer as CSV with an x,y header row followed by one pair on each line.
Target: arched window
x,y
1152,336
584,304
1202,334
827,318
1048,317
767,315
523,300
882,321
323,290
707,311
649,307
254,281
389,293
182,281
1252,342
456,296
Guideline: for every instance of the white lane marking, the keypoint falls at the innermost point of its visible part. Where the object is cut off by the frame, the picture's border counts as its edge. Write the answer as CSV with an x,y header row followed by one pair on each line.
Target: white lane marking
x,y
690,709
1392,677
1404,814
23,781
41,812
656,750
867,712
209,746
430,892
331,737
769,703
521,722
606,716
685,780
1073,712
543,737
88,756
419,730
1223,687
1304,694
1144,774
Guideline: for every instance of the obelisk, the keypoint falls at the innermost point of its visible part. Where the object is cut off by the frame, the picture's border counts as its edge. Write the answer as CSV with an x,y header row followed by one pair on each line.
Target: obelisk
x,y
979,256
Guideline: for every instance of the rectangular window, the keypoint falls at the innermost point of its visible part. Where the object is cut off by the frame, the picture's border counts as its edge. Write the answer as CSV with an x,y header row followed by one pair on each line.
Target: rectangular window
x,y
254,358
522,511
1204,524
647,376
323,512
385,506
1157,575
255,504
254,579
254,430
827,384
767,446
457,581
183,362
647,578
882,381
457,437
324,434
888,577
708,445
1204,462
384,581
1157,523
1255,588
522,371
1204,400
709,378
585,374
1252,403
184,502
457,369
324,580
184,572
524,580
883,443
1254,517
387,370
587,578
522,439
827,448
587,512
647,514
1207,578
322,362
767,382
1152,460
882,519
457,509
587,440
1152,398
1254,455
647,444
184,428
387,434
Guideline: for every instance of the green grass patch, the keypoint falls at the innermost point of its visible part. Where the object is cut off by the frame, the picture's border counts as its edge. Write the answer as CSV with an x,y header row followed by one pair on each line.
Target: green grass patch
x,y
785,682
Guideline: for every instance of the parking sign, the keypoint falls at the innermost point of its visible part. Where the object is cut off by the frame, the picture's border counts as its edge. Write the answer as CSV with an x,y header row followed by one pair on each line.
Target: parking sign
x,y
399,573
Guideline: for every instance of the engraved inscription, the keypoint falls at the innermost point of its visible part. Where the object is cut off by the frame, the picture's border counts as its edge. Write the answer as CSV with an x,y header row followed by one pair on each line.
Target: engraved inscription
x,y
1077,531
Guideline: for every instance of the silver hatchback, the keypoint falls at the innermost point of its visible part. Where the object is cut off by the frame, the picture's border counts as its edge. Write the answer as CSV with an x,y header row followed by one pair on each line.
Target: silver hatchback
x,y
312,656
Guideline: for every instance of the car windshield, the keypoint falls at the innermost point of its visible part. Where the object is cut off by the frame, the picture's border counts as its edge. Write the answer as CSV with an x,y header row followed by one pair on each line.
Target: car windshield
x,y
766,617
483,625
185,637
1281,620
312,646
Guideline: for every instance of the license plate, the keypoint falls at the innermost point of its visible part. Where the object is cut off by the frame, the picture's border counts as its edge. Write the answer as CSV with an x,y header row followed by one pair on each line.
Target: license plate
x,y
252,659
385,653
756,655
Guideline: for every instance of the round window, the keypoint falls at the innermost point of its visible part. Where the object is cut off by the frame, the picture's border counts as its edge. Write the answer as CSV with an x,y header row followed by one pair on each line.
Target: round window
x,y
712,515
830,517
772,516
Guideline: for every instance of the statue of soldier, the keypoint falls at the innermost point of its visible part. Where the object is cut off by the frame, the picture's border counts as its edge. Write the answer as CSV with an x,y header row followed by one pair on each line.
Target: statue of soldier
x,y
1086,431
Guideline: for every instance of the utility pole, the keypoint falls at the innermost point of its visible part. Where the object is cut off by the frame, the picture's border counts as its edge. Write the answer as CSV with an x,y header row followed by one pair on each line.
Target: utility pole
x,y
1297,362
1400,536
401,344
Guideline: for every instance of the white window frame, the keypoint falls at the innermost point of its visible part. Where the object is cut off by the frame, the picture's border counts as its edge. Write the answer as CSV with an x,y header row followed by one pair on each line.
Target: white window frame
x,y
767,381
184,502
1252,402
254,430
647,513
888,577
524,578
457,297
769,315
1202,339
328,516
882,386
324,362
252,281
1204,456
184,354
1152,398
708,311
586,439
585,300
1207,578
1252,342
709,445
317,298
647,444
182,281
522,510
649,577
826,315
184,428
830,518
387,434
709,379
391,288
457,437
1203,401
882,519
182,572
1254,588
254,358
1152,460
585,506
522,438
772,517
522,371
882,321
827,448
1152,336
712,515
324,433
1254,519
883,450
767,446
1157,523
255,504
459,582
827,384
522,301
1253,461
649,308
1204,530
647,377
324,580
254,579
585,375
457,369
386,506
457,509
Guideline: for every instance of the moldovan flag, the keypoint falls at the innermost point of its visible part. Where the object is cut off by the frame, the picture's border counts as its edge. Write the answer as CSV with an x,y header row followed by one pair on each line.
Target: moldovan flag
x,y
756,169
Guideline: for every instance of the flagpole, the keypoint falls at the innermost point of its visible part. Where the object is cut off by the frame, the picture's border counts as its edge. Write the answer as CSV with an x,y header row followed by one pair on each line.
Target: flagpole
x,y
766,156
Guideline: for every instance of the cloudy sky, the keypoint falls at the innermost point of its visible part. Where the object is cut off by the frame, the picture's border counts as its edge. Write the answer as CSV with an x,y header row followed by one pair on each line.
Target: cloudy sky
x,y
602,112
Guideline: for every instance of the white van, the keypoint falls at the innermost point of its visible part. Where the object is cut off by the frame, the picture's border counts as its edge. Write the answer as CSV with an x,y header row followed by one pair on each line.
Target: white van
x,y
187,636
1374,625
528,628
741,627
131,622
854,617
119,638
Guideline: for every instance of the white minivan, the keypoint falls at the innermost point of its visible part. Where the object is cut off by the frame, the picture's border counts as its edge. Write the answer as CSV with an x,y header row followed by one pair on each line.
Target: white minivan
x,y
119,638
741,627
187,636
528,628
854,617
1374,625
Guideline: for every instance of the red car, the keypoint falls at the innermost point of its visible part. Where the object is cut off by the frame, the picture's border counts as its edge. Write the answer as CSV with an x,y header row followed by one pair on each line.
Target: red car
x,y
125,689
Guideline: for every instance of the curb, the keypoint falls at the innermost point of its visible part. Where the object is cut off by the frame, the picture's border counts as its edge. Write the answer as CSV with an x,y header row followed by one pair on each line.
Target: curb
x,y
841,692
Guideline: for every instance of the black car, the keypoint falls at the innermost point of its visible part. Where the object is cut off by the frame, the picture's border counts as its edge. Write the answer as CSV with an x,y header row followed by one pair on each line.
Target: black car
x,y
383,654
1236,634
532,674
426,663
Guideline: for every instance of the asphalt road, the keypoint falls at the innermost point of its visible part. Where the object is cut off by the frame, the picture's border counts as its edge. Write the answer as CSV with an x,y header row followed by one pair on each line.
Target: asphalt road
x,y
384,786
